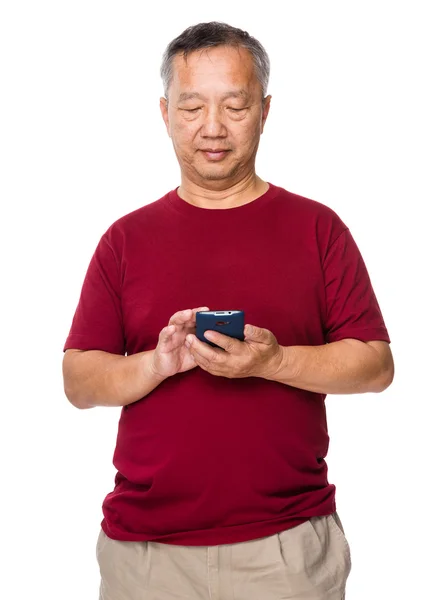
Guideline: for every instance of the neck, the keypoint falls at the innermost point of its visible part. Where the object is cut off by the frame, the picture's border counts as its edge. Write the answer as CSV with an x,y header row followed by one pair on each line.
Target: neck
x,y
229,196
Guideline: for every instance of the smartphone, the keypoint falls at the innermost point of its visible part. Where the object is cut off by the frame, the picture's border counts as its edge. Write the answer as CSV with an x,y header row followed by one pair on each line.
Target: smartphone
x,y
228,322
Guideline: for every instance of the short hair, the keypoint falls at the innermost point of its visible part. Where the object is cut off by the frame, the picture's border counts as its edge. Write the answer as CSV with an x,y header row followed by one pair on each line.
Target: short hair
x,y
208,35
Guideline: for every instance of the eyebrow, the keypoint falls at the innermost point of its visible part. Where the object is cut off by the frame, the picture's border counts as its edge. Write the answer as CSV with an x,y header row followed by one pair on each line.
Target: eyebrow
x,y
232,94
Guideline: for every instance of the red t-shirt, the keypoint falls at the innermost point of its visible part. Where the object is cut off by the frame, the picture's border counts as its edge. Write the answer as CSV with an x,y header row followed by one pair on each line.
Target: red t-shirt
x,y
202,459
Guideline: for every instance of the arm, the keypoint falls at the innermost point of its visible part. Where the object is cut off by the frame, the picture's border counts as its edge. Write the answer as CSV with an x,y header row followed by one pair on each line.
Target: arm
x,y
105,376
97,378
348,366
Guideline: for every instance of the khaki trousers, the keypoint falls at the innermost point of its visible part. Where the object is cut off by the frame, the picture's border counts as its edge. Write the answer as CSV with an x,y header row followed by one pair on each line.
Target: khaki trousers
x,y
309,562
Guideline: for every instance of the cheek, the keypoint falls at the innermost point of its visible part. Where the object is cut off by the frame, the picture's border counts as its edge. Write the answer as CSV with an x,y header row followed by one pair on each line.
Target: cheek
x,y
245,138
184,133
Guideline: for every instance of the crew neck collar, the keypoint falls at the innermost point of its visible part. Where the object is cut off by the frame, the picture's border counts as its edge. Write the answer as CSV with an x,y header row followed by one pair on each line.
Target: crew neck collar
x,y
185,208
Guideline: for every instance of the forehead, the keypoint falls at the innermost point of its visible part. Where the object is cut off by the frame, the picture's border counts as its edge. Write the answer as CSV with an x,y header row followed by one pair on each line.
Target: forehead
x,y
222,68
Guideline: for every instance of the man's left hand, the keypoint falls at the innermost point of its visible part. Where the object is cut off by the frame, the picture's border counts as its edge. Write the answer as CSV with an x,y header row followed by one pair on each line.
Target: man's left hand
x,y
259,355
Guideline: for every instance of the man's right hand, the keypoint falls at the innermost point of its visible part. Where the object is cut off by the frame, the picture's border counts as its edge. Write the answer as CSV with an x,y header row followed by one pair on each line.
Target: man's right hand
x,y
171,355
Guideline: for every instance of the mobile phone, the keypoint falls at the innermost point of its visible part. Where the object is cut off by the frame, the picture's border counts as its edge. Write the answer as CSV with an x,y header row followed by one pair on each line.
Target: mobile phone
x,y
228,322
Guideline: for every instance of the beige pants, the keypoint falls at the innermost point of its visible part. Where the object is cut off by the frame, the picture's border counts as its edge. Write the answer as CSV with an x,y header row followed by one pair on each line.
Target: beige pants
x,y
309,562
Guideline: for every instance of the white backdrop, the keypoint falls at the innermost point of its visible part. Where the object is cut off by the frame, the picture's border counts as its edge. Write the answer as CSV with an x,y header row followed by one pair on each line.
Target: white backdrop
x,y
83,143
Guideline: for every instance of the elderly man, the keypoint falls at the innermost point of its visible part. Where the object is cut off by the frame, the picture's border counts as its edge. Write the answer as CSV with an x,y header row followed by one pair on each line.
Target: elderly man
x,y
221,491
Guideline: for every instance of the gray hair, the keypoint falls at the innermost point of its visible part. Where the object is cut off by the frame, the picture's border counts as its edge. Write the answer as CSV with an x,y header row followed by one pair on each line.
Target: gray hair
x,y
208,35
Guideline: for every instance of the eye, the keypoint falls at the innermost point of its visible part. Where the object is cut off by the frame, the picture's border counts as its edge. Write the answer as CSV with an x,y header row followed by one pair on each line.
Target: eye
x,y
236,109
191,110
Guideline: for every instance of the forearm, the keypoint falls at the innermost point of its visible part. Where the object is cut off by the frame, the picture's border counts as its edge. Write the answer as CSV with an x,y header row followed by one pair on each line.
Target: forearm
x,y
96,378
344,367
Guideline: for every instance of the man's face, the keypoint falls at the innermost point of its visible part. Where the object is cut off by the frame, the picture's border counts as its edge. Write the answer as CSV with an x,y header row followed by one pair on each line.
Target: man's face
x,y
215,104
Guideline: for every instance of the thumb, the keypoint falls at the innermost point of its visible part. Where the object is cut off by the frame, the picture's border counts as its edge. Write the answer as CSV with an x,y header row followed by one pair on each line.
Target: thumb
x,y
251,331
258,334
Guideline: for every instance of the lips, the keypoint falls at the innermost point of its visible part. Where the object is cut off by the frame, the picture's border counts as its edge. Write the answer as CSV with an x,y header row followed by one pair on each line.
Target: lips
x,y
214,153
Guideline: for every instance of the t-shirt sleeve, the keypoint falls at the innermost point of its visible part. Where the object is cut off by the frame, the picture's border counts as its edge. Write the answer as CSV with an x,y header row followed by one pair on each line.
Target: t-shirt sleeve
x,y
97,323
352,310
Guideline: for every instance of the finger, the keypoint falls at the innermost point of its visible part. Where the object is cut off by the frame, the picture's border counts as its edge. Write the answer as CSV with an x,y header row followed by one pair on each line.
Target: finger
x,y
226,342
258,334
201,359
196,310
181,317
166,334
202,350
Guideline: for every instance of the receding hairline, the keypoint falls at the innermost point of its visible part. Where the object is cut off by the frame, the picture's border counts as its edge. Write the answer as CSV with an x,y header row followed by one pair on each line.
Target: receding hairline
x,y
237,93
203,37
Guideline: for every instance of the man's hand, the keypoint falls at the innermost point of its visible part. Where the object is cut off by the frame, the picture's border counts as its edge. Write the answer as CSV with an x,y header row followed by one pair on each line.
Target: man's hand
x,y
170,355
259,355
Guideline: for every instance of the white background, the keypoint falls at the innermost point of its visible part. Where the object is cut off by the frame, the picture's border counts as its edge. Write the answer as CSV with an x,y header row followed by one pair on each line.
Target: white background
x,y
83,143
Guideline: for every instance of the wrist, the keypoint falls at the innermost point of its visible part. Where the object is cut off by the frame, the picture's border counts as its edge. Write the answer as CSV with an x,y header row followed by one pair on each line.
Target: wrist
x,y
149,371
277,365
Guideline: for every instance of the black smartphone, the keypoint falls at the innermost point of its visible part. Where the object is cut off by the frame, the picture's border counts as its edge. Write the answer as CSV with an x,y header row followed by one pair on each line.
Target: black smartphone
x,y
228,322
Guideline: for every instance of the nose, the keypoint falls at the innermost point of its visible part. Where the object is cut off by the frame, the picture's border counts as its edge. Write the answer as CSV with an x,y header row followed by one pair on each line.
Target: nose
x,y
213,125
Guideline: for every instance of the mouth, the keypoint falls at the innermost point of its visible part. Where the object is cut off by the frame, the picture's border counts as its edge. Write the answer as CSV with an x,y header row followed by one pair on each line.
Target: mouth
x,y
214,153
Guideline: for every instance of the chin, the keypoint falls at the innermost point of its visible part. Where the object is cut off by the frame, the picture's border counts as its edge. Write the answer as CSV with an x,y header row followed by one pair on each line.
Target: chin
x,y
213,176
217,174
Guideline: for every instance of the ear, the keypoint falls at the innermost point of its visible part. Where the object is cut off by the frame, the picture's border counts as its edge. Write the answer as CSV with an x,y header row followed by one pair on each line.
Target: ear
x,y
265,112
164,111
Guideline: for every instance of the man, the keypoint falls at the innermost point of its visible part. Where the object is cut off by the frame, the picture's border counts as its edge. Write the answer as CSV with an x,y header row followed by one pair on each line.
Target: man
x,y
221,489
